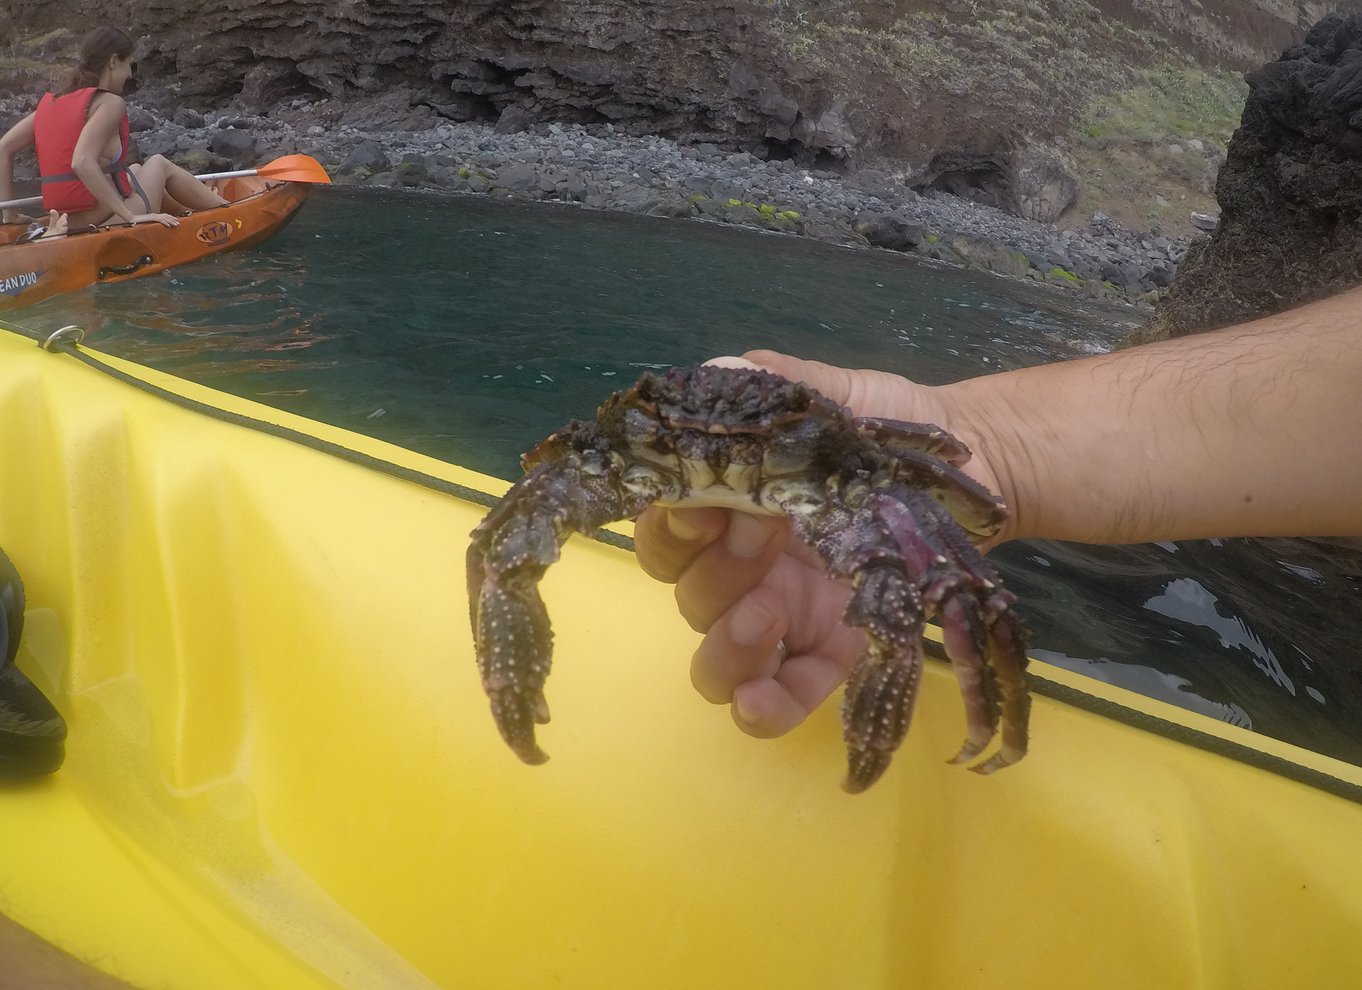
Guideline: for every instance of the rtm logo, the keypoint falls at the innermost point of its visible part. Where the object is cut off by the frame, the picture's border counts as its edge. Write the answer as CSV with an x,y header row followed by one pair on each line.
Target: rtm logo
x,y
215,233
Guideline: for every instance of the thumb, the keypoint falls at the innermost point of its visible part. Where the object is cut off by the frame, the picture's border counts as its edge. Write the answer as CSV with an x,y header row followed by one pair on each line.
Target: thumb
x,y
834,382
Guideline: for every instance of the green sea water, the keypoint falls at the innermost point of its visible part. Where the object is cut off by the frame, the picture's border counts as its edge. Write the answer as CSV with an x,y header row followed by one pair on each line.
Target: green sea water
x,y
467,329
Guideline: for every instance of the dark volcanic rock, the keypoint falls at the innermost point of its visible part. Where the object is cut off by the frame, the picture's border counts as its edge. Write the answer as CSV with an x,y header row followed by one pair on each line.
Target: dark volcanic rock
x,y
1032,182
234,143
1290,192
886,231
831,84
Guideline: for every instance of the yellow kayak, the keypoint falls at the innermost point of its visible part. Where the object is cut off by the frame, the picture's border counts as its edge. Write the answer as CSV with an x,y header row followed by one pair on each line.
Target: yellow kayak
x,y
281,771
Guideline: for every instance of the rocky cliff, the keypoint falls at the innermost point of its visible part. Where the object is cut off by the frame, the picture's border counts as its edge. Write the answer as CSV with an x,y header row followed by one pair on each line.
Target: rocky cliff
x,y
978,98
1290,192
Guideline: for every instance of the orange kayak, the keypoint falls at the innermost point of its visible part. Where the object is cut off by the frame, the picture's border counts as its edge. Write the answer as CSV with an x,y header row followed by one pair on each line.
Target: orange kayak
x,y
48,266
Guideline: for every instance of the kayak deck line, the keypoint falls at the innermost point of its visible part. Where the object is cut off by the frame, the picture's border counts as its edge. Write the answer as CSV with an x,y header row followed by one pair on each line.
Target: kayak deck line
x,y
66,341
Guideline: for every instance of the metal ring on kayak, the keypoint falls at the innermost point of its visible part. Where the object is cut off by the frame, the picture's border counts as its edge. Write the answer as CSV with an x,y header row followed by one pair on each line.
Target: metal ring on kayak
x,y
70,334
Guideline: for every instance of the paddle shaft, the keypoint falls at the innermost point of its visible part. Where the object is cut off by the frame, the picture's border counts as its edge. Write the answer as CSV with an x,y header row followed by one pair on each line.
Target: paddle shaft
x,y
36,200
239,174
295,168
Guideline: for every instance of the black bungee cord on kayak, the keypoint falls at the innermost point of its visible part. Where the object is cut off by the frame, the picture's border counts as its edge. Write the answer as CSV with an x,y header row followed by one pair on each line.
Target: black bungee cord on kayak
x,y
67,341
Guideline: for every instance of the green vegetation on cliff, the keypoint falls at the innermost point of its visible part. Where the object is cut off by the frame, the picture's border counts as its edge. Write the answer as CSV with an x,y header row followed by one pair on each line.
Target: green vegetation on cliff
x,y
1058,72
1149,154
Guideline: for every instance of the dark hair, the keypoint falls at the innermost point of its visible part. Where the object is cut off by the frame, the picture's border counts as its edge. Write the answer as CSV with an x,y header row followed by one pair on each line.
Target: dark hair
x,y
99,46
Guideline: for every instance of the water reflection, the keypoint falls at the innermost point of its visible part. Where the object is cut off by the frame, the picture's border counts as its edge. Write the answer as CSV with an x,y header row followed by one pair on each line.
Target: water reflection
x,y
1188,600
1226,627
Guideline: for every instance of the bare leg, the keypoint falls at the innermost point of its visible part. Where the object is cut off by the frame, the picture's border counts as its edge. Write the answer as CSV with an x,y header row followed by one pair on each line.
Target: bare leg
x,y
159,177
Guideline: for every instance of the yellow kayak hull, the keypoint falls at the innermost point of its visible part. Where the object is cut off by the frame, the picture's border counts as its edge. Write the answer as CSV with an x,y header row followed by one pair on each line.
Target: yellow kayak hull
x,y
281,770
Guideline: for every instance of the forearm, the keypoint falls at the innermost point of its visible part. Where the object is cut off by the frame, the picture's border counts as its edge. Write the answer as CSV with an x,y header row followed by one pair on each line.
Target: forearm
x,y
102,187
7,186
1254,430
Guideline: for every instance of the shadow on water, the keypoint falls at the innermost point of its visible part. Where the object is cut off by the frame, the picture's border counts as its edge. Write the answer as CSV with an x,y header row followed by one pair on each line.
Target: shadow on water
x,y
468,329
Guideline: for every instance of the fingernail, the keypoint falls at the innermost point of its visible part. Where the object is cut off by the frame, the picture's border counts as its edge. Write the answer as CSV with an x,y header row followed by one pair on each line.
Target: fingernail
x,y
747,535
750,623
681,528
745,718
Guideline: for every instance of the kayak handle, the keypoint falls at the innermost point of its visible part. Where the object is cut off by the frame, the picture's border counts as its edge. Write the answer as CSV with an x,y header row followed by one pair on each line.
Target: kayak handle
x,y
141,262
70,334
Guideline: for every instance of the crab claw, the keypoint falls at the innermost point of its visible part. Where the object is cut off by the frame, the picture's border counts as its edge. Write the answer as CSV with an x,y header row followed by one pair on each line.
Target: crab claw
x,y
878,704
511,630
569,489
515,650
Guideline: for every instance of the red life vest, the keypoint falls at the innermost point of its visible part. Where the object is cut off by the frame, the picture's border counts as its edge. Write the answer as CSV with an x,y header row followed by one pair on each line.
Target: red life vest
x,y
57,124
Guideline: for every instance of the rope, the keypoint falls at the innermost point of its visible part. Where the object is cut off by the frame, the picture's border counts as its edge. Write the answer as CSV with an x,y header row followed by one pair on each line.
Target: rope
x,y
66,341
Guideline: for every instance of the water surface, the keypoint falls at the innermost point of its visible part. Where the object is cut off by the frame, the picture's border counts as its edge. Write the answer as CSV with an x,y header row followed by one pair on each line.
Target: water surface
x,y
468,329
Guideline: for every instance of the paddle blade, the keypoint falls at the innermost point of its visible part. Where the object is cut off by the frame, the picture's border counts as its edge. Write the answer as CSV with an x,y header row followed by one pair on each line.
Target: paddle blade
x,y
294,168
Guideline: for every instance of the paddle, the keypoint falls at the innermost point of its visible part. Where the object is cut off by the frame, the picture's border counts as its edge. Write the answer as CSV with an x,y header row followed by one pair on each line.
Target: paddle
x,y
292,168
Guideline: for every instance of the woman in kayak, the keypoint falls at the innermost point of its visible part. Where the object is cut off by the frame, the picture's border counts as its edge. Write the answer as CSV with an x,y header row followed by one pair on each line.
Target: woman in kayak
x,y
81,138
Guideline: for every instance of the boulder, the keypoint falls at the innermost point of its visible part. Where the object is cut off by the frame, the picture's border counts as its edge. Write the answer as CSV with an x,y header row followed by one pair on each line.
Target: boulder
x,y
1205,221
519,177
513,119
366,155
233,143
1032,182
885,230
1043,186
1290,192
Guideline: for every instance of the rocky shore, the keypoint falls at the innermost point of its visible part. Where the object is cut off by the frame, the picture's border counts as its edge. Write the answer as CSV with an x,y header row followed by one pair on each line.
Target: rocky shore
x,y
388,142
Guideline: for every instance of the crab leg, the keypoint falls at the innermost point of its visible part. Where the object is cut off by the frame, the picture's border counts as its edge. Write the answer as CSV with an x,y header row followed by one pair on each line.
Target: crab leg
x,y
885,602
966,644
1007,657
987,646
996,642
897,436
882,689
509,553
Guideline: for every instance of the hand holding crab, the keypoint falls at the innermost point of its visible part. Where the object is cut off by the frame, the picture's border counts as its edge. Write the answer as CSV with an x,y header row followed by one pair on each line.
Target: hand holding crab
x,y
1111,448
775,645
882,503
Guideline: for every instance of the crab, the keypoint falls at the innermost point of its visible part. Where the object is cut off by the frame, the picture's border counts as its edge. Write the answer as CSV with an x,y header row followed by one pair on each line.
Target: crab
x,y
884,504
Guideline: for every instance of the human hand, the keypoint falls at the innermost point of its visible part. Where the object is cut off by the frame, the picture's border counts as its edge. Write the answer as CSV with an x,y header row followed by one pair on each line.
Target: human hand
x,y
165,219
775,647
